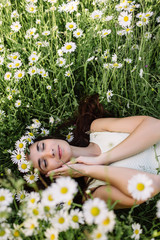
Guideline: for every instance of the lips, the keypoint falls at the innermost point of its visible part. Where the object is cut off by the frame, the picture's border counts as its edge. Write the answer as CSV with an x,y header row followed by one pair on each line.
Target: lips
x,y
59,152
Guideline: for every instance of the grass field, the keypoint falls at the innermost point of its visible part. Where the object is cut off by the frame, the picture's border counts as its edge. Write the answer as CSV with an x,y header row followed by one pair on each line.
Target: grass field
x,y
52,53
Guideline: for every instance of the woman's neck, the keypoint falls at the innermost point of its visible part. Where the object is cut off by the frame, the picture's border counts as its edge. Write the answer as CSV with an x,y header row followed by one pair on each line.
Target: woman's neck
x,y
91,150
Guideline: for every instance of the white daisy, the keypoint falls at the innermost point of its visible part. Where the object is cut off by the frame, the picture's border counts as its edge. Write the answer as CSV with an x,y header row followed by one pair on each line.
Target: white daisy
x,y
147,35
141,73
71,6
32,199
51,233
14,14
17,155
69,47
109,95
65,189
20,144
140,187
30,225
116,65
97,14
33,58
19,74
18,103
1,48
136,231
78,33
46,33
124,19
21,196
31,8
108,18
61,62
68,73
71,26
24,166
32,70
148,14
76,218
7,75
38,21
6,197
1,60
98,234
139,24
48,196
108,222
48,87
61,221
17,63
128,60
44,74
10,97
31,178
51,120
158,19
121,32
69,137
105,32
5,231
44,131
60,52
16,26
94,211
90,59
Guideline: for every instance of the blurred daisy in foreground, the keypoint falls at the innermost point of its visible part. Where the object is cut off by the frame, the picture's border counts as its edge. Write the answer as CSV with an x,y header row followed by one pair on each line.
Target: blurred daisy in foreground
x,y
98,234
46,33
94,211
21,196
1,48
140,187
30,225
61,221
1,60
5,197
108,222
136,231
76,218
51,233
5,231
69,137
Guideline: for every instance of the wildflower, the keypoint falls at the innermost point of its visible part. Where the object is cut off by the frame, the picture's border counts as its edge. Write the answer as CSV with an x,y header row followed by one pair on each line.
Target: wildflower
x,y
128,30
128,60
61,220
140,187
68,73
116,65
121,32
38,21
44,131
23,166
48,87
124,19
7,75
9,97
70,6
90,59
30,226
17,155
60,52
51,233
69,47
31,178
141,73
21,196
71,26
16,26
109,95
139,24
32,71
48,196
94,210
5,197
98,234
108,18
114,57
147,35
108,222
33,58
64,189
76,218
1,60
1,48
18,103
148,14
14,14
20,144
46,33
158,19
19,74
105,32
78,33
5,231
158,208
106,65
17,63
69,137
97,14
51,120
31,8
32,199
136,231
61,62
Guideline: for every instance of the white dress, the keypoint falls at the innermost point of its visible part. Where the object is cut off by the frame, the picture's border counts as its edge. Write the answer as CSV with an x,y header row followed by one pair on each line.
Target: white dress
x,y
145,161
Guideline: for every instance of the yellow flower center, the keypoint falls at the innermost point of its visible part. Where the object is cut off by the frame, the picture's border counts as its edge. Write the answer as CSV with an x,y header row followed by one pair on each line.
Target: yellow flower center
x,y
127,29
33,71
115,64
140,16
61,62
95,211
31,9
2,233
35,212
68,47
71,26
32,200
16,26
21,145
19,74
18,156
136,231
78,33
96,16
50,198
2,198
140,187
32,177
22,196
99,235
46,208
52,237
105,33
32,226
8,75
75,218
147,15
64,190
61,220
106,221
33,59
16,233
125,18
144,19
31,33
24,166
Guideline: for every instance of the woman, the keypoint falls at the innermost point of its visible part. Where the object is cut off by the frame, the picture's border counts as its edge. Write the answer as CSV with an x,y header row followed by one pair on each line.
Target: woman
x,y
119,148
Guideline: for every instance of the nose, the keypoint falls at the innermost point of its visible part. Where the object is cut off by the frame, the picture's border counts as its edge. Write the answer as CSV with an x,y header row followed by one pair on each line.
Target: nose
x,y
49,153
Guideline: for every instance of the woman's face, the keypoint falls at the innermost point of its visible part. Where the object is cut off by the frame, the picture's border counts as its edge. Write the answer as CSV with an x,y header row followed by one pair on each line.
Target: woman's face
x,y
49,154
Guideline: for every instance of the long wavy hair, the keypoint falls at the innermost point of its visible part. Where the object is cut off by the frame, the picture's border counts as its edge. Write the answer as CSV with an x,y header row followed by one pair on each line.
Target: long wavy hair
x,y
89,109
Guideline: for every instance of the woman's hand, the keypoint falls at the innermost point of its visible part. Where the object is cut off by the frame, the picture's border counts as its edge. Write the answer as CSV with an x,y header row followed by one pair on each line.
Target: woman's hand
x,y
72,170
